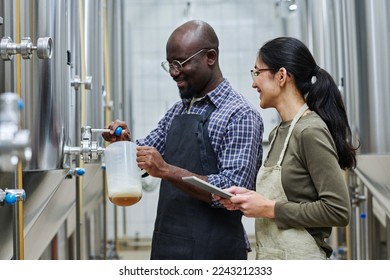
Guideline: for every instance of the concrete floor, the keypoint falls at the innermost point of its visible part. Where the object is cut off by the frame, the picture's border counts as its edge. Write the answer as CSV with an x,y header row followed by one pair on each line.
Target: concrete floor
x,y
131,252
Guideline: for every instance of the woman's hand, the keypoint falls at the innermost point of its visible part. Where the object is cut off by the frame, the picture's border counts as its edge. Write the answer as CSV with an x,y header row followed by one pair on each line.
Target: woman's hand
x,y
227,202
251,203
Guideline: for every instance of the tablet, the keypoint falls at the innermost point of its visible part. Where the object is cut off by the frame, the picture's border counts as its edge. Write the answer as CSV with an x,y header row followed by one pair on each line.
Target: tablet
x,y
195,181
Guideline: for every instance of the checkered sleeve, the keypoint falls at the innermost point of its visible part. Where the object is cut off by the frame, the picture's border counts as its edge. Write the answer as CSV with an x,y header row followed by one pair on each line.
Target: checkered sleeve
x,y
240,153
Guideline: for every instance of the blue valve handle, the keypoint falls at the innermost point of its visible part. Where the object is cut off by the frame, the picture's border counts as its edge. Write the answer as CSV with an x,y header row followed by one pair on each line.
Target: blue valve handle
x,y
80,171
20,104
118,131
10,198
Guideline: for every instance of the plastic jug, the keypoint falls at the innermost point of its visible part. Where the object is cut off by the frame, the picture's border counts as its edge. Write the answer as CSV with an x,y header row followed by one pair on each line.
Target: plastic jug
x,y
124,185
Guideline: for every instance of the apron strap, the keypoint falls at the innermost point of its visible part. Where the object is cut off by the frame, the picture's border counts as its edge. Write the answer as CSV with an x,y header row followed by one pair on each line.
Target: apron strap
x,y
207,154
294,121
210,108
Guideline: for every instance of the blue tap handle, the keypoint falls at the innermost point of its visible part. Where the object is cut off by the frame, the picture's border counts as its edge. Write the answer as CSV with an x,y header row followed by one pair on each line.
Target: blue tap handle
x,y
80,171
118,131
10,198
20,104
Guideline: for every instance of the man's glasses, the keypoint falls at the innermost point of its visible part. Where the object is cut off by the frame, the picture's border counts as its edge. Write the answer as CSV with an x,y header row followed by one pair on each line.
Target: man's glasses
x,y
176,66
257,72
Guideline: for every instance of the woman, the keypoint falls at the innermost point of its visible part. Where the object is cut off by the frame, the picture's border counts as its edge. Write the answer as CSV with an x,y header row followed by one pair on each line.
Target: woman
x,y
301,192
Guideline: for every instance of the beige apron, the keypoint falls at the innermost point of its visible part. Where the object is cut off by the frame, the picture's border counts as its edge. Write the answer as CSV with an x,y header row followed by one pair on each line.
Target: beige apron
x,y
274,243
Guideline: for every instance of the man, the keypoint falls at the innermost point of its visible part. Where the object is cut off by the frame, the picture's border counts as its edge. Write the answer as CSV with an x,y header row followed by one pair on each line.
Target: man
x,y
212,133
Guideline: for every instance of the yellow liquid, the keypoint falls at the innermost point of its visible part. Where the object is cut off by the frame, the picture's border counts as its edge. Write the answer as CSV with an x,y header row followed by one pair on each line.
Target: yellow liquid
x,y
124,200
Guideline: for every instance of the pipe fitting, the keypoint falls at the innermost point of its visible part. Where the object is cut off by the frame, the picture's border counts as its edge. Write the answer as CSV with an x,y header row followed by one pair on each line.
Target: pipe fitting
x,y
77,82
8,48
89,150
11,196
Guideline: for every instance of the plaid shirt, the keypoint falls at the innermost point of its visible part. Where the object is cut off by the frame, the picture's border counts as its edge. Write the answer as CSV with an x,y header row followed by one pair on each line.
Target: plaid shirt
x,y
235,131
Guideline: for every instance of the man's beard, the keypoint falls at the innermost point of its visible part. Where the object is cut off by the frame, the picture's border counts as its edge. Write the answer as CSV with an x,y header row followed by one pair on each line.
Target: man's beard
x,y
189,93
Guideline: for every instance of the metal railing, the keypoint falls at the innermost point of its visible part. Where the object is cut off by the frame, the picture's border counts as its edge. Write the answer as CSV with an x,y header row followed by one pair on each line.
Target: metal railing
x,y
369,230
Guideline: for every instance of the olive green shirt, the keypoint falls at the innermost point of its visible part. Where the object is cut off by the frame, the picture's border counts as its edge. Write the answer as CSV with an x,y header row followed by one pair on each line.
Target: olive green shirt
x,y
314,184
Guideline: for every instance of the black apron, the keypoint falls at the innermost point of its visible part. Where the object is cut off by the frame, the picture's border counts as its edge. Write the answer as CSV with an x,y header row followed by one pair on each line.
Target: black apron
x,y
187,228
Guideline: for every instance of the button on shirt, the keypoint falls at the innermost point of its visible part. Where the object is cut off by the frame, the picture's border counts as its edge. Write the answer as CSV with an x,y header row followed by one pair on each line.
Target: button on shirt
x,y
235,131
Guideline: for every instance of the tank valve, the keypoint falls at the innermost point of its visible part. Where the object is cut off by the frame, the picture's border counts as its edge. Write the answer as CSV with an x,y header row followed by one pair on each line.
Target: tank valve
x,y
10,196
8,48
89,150
118,130
78,171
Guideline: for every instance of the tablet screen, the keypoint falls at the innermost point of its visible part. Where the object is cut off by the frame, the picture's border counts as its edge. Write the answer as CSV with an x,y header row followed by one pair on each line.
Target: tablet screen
x,y
195,181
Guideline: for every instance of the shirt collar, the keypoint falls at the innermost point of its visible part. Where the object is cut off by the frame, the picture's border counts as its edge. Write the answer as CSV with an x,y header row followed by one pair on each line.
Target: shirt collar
x,y
216,96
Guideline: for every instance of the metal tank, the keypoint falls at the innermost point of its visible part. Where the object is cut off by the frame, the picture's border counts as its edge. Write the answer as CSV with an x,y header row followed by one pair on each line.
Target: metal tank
x,y
372,184
65,105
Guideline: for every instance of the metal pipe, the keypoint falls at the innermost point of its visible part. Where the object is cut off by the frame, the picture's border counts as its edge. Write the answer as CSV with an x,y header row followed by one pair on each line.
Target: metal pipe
x,y
80,122
107,117
357,232
348,242
104,247
100,130
369,226
125,241
107,80
79,214
388,236
116,238
18,241
18,207
79,183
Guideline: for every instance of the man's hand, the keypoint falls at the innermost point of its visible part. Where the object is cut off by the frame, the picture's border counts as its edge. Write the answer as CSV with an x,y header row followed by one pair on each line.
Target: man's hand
x,y
151,161
111,137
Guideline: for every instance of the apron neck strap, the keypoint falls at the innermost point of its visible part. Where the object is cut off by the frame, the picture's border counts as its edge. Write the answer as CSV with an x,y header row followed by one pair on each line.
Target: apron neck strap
x,y
294,121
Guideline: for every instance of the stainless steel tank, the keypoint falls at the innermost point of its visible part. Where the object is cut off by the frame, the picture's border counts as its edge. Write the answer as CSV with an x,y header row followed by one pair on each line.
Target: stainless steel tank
x,y
62,95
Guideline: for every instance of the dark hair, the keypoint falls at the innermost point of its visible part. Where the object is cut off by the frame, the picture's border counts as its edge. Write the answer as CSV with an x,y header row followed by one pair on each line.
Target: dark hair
x,y
322,96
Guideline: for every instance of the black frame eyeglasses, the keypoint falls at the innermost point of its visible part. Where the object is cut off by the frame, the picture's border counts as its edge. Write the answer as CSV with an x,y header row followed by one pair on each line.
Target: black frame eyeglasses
x,y
257,72
176,66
